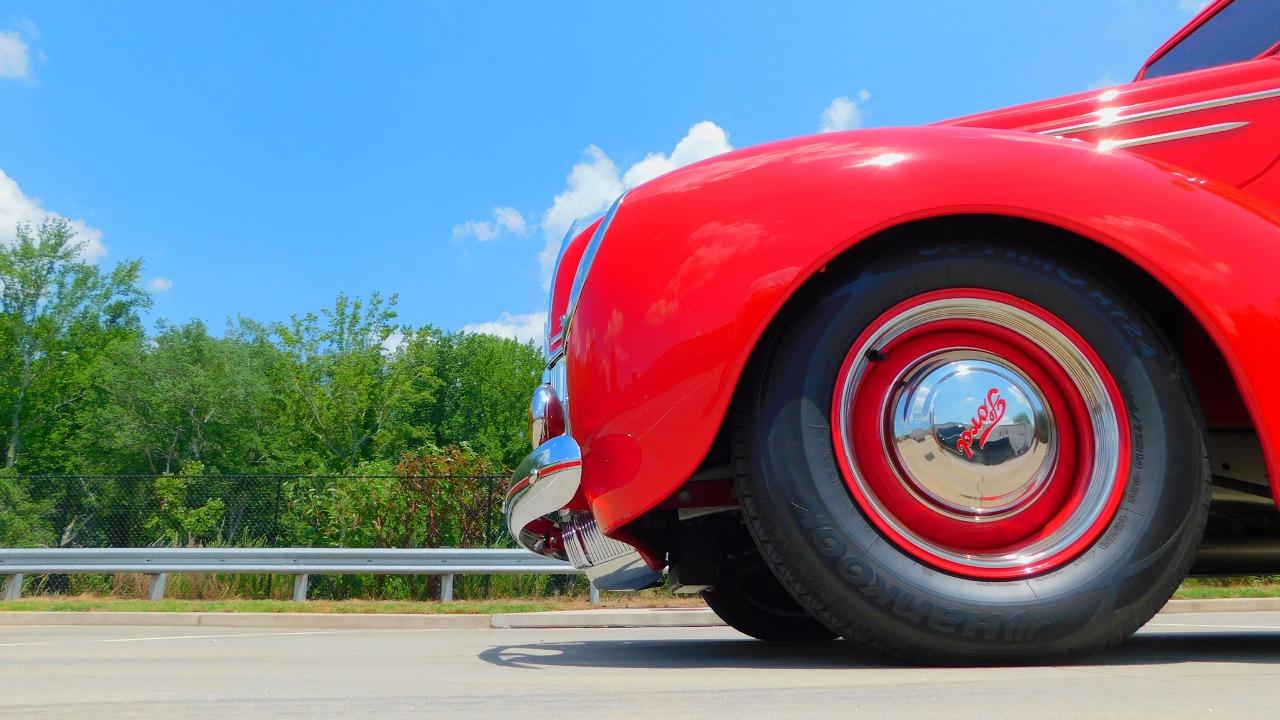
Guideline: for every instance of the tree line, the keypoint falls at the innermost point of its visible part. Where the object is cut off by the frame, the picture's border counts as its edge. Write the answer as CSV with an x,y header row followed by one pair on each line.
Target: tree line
x,y
86,389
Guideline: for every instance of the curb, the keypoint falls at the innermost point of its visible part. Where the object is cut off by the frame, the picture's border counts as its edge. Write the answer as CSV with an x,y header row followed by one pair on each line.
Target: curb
x,y
1221,605
609,618
606,618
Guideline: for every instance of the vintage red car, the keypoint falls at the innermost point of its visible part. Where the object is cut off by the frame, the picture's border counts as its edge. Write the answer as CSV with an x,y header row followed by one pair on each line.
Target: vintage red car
x,y
974,391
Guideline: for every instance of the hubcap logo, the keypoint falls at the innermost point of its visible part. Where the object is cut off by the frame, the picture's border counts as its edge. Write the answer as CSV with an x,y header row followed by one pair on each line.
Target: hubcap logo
x,y
983,423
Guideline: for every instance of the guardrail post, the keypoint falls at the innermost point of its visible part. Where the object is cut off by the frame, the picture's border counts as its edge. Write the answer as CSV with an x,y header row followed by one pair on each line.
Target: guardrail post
x,y
13,587
156,590
446,588
300,587
595,595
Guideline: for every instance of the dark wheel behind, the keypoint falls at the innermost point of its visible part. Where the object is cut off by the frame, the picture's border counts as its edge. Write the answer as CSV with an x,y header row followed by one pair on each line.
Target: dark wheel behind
x,y
752,601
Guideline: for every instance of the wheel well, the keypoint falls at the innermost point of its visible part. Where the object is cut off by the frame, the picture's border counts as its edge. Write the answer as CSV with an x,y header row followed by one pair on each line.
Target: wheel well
x,y
1217,393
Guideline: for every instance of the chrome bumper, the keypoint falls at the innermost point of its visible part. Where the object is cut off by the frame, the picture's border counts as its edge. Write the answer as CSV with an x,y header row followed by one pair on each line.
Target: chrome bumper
x,y
542,485
537,516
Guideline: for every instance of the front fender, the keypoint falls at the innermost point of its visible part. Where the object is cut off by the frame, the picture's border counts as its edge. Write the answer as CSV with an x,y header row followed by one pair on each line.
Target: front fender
x,y
697,263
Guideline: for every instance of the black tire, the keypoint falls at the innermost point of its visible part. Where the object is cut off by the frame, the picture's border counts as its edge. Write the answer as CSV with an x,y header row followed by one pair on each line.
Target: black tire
x,y
860,583
752,601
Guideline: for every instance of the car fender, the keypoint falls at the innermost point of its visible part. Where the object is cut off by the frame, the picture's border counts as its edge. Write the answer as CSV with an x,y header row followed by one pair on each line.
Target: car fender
x,y
697,263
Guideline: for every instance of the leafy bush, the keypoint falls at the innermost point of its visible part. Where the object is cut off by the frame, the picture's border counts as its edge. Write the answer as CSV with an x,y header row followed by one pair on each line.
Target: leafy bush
x,y
23,521
175,521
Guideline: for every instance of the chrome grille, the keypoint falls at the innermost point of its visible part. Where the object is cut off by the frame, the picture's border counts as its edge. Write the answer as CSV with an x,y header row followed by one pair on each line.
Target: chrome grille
x,y
586,546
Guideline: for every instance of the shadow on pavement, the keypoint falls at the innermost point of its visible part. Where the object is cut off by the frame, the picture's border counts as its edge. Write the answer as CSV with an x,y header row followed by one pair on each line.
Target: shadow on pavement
x,y
1146,649
683,654
1153,648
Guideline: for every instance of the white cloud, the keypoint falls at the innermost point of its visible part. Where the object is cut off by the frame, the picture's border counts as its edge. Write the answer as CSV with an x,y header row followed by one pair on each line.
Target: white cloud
x,y
595,182
15,59
15,50
1105,80
843,113
523,327
1191,7
704,140
510,219
481,230
160,284
505,219
16,207
394,341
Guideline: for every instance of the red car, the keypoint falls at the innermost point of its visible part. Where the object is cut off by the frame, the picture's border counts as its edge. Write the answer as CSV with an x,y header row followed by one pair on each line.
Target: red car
x,y
968,392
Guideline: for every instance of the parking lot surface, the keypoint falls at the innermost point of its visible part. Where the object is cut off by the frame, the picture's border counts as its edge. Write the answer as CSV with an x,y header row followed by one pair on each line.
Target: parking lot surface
x,y
1179,666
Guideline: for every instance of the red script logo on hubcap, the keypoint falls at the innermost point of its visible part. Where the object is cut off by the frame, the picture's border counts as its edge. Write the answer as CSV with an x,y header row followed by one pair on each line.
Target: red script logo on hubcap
x,y
989,413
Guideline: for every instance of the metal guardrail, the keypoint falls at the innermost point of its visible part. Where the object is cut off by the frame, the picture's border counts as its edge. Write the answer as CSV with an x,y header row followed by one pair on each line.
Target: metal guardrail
x,y
299,562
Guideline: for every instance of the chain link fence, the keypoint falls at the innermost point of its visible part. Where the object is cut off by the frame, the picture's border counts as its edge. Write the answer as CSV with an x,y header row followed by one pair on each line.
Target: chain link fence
x,y
352,511
261,511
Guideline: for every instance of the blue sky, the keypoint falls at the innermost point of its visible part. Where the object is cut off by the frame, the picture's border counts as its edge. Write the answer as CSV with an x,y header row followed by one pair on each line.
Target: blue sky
x,y
262,157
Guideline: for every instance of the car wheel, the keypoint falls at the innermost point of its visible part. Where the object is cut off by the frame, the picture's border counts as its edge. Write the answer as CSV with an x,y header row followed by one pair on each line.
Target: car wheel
x,y
974,451
751,600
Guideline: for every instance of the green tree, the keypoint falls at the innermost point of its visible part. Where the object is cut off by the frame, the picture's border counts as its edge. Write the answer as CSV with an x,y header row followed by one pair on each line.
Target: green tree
x,y
50,300
483,400
344,384
184,397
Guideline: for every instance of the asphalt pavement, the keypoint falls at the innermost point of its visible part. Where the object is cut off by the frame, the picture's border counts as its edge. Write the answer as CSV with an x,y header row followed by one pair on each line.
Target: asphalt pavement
x,y
1180,666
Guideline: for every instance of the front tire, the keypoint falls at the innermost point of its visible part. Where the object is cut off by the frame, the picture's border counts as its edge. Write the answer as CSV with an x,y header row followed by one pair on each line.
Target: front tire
x,y
974,451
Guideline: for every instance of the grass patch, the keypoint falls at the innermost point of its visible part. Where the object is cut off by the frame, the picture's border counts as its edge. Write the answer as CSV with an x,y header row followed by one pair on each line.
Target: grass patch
x,y
1233,587
87,603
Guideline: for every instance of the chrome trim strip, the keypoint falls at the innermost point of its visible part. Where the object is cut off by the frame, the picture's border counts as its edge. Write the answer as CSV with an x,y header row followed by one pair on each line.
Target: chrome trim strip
x,y
1166,137
556,358
1164,112
552,341
575,227
584,265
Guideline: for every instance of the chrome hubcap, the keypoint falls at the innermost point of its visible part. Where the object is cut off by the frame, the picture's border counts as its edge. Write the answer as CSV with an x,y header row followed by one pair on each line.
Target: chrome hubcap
x,y
970,435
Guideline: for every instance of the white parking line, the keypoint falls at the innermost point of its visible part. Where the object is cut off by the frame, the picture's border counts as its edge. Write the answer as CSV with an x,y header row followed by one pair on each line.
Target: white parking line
x,y
173,637
222,635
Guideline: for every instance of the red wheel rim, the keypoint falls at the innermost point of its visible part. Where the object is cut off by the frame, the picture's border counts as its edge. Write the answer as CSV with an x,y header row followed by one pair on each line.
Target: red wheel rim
x,y
981,434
